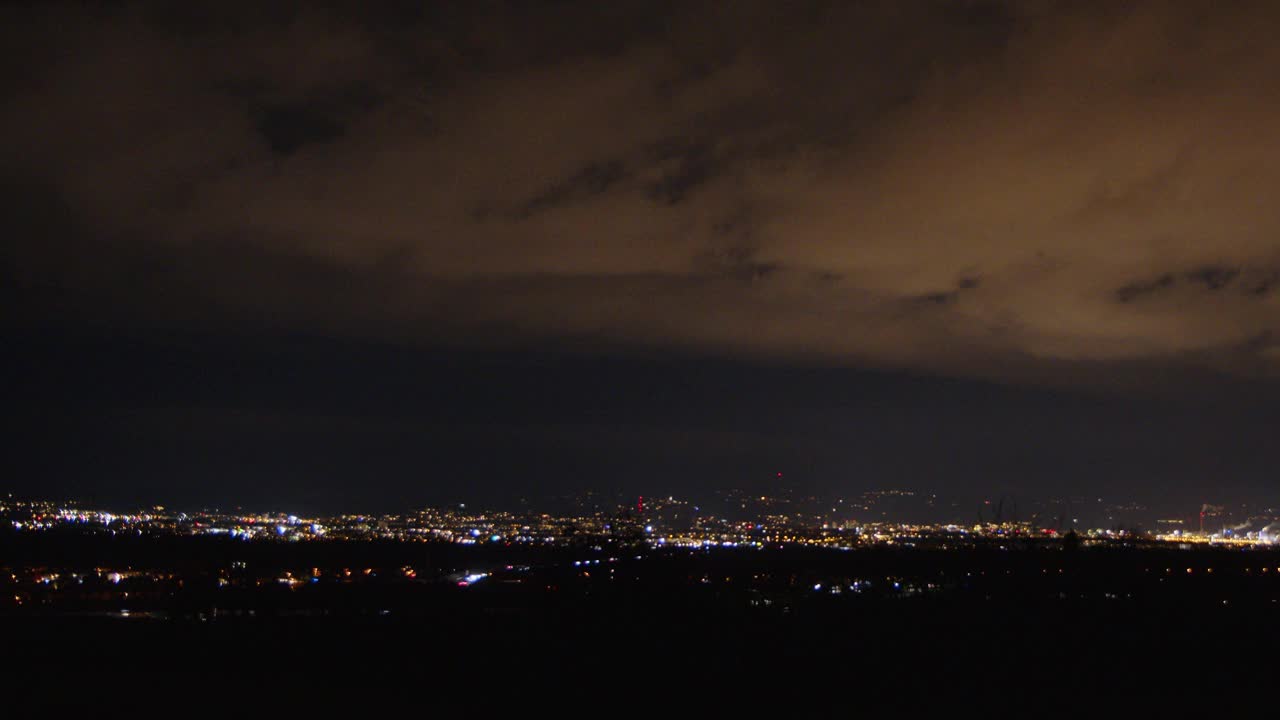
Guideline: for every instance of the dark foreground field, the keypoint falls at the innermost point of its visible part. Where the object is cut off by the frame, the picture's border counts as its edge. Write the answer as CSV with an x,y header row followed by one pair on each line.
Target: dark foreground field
x,y
1025,632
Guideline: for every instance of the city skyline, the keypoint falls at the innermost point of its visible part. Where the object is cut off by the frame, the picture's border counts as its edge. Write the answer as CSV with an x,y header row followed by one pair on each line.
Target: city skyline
x,y
742,516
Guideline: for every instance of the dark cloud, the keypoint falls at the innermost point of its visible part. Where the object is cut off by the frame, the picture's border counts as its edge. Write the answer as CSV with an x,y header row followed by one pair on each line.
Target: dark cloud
x,y
1134,291
684,166
937,298
288,128
1210,278
1263,283
591,180
993,188
947,297
287,125
1213,277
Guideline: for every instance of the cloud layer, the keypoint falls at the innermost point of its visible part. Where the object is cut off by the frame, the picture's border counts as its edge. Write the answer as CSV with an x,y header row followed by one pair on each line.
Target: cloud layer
x,y
965,187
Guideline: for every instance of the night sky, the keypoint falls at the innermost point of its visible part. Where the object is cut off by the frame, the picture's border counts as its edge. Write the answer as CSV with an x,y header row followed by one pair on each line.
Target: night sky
x,y
370,255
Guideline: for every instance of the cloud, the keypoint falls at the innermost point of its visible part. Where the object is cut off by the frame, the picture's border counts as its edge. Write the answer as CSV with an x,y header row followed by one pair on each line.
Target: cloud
x,y
963,187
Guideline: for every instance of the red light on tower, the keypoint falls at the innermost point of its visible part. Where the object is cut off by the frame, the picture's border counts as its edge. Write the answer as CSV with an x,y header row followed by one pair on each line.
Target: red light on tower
x,y
640,504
